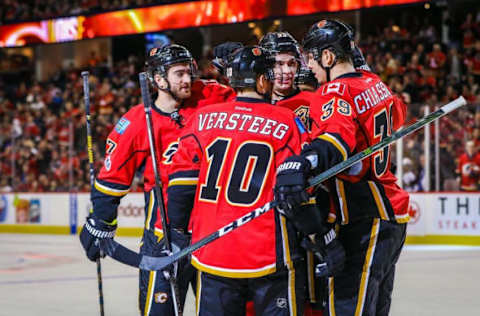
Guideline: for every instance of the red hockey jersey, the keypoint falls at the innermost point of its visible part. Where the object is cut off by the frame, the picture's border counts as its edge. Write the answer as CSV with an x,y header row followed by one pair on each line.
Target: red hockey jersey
x,y
351,113
128,152
469,171
232,151
300,105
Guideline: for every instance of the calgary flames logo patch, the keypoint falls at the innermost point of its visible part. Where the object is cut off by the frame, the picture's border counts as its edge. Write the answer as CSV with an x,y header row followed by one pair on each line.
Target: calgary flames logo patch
x,y
256,51
153,51
169,152
321,23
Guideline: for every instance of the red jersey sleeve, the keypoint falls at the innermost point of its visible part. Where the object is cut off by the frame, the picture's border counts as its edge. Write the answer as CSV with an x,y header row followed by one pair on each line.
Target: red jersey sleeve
x,y
125,153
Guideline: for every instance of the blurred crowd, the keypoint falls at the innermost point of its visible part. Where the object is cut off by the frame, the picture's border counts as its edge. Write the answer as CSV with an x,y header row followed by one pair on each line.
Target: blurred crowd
x,y
424,64
13,11
430,65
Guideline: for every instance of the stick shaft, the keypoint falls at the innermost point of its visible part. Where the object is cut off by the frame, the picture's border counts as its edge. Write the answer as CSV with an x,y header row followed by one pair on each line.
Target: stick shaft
x,y
86,95
158,187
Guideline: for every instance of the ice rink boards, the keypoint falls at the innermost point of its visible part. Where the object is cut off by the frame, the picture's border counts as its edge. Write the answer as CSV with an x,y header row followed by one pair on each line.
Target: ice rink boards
x,y
49,275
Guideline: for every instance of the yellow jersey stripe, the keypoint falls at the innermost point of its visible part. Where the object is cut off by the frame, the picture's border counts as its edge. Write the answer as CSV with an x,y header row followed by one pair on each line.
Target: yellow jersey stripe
x,y
291,292
285,244
401,219
342,200
335,142
151,286
183,181
149,210
378,201
199,292
233,273
311,277
331,298
109,191
366,267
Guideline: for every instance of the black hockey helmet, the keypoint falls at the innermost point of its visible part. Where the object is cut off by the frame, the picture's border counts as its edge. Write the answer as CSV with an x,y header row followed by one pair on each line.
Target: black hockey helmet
x,y
246,64
332,34
160,59
279,42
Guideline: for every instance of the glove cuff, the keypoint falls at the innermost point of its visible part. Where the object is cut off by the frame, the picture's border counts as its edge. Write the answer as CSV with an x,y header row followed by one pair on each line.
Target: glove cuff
x,y
99,233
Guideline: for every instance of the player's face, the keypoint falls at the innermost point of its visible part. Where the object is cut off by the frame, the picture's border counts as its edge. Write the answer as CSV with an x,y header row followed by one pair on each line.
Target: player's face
x,y
180,79
286,66
317,70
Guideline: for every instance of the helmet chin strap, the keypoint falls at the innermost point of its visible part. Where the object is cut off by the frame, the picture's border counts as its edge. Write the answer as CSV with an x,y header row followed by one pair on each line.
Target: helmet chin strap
x,y
169,91
328,68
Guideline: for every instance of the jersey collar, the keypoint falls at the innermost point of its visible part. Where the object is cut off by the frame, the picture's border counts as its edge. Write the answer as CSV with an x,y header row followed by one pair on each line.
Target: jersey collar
x,y
250,100
350,75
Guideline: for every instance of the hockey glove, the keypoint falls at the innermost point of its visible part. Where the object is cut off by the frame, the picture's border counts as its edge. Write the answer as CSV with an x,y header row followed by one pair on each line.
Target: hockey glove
x,y
221,53
290,188
179,241
359,61
328,249
93,230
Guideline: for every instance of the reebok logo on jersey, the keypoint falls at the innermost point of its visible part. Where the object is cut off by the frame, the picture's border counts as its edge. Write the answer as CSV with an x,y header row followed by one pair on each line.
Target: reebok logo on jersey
x,y
122,125
291,165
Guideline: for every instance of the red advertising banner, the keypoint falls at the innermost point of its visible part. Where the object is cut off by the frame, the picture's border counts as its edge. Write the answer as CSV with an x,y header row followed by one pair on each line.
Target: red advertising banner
x,y
167,17
302,7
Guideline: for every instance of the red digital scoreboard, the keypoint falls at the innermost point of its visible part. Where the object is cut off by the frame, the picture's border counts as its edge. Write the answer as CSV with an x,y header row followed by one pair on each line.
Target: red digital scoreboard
x,y
167,17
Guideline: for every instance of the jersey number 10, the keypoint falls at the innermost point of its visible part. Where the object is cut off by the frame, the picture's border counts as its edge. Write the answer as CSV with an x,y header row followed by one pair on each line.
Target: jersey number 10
x,y
247,173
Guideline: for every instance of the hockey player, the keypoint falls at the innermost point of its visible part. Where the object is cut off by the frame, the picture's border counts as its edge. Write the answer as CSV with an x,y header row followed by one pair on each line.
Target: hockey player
x,y
171,71
226,163
352,110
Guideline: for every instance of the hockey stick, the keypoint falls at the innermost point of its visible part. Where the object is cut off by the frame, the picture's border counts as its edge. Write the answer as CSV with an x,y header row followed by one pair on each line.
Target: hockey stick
x,y
127,256
158,188
86,95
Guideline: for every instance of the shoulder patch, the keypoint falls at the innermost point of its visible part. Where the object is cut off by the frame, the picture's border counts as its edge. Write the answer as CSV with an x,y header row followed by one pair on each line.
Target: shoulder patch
x,y
334,87
300,126
122,125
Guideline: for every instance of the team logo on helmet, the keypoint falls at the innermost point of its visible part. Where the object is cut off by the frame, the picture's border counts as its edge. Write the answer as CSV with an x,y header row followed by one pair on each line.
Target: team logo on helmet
x,y
322,23
153,51
256,51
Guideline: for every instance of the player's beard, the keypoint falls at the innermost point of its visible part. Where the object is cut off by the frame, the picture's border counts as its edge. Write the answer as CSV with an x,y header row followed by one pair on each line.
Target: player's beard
x,y
182,92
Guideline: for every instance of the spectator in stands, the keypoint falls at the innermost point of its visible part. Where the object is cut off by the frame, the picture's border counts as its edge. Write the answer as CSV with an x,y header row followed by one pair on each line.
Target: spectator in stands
x,y
468,170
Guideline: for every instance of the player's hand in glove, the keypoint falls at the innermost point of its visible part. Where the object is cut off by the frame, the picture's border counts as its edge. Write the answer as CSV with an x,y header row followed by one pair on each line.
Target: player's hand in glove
x,y
328,250
94,230
290,188
221,53
359,61
179,241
